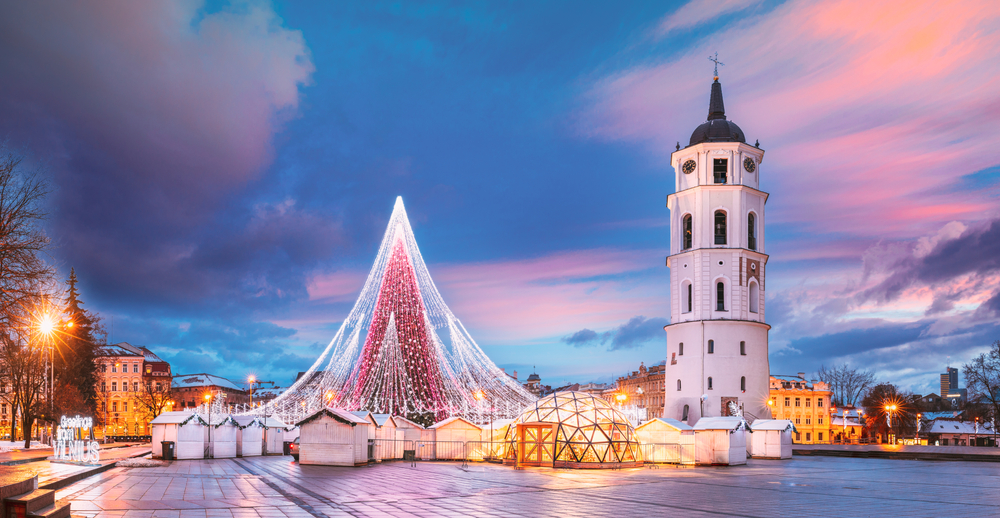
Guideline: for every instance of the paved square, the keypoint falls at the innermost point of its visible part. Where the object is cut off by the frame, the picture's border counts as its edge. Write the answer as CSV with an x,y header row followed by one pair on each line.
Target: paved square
x,y
276,487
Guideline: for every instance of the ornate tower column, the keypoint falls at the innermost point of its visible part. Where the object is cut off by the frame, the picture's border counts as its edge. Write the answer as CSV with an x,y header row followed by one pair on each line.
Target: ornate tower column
x,y
717,341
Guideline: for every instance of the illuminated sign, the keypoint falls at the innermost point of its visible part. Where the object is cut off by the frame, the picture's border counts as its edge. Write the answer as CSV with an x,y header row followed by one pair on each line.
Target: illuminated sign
x,y
72,443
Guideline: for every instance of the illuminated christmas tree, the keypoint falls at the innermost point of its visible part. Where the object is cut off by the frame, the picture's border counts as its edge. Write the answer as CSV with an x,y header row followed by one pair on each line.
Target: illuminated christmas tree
x,y
417,358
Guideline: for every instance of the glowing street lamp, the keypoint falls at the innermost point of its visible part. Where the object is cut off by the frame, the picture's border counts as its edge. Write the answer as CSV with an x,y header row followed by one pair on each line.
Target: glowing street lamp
x,y
621,398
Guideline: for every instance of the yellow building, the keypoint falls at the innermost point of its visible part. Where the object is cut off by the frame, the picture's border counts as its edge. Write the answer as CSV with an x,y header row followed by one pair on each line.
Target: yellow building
x,y
129,379
805,403
644,388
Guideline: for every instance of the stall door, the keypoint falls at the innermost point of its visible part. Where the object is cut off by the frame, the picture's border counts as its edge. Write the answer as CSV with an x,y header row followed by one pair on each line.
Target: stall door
x,y
535,444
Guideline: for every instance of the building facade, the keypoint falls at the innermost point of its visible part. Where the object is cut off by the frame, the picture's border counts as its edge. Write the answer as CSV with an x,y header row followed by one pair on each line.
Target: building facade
x,y
130,379
717,347
644,389
189,391
806,404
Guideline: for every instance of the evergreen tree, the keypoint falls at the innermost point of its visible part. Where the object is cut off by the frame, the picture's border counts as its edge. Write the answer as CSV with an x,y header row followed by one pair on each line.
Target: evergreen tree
x,y
76,369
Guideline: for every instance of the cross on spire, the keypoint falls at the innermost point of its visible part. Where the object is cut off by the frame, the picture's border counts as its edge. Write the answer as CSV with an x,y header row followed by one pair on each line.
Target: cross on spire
x,y
715,59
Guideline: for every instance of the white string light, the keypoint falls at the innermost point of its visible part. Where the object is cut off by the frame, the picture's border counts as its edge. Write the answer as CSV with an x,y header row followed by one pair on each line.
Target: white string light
x,y
417,356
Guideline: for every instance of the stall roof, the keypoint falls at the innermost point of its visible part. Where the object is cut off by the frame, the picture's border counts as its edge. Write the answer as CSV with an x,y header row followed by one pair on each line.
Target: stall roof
x,y
719,423
771,424
402,420
273,422
452,420
382,419
956,427
336,413
175,418
673,423
246,420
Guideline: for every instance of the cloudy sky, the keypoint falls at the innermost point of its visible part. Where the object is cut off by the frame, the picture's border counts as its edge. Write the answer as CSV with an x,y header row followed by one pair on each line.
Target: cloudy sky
x,y
223,172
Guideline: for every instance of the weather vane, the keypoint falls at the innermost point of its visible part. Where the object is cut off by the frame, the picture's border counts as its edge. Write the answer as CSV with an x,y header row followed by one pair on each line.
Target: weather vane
x,y
717,63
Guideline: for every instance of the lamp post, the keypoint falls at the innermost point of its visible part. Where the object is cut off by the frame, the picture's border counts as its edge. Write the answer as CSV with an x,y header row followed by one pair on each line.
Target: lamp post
x,y
916,435
208,403
889,410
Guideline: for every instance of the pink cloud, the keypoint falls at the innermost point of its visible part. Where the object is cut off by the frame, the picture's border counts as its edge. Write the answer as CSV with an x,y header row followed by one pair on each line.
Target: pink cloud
x,y
869,110
523,300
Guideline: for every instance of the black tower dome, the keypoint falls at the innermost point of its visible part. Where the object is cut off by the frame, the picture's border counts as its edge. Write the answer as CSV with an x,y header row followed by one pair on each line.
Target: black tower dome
x,y
717,129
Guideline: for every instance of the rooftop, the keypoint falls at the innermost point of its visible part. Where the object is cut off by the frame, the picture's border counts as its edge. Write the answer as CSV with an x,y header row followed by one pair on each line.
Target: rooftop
x,y
202,380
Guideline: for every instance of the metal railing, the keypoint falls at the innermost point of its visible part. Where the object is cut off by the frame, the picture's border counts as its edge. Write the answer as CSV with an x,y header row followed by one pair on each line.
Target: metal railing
x,y
666,453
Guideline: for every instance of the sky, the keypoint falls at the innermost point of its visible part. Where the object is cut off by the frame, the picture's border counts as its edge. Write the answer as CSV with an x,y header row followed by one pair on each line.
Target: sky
x,y
222,172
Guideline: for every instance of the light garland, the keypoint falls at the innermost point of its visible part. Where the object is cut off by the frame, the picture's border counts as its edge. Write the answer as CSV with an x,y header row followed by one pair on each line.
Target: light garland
x,y
404,367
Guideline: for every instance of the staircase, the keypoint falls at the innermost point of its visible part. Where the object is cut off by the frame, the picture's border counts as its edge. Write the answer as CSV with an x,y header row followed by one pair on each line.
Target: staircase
x,y
38,503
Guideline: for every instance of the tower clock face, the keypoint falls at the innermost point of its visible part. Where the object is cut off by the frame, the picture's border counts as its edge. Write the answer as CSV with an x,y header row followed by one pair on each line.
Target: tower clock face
x,y
689,167
749,164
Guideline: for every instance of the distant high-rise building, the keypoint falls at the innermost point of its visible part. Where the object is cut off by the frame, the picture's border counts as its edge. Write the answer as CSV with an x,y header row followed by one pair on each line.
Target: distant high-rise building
x,y
949,381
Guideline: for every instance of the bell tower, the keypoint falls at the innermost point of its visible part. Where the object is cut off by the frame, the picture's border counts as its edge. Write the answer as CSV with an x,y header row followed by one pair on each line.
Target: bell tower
x,y
717,348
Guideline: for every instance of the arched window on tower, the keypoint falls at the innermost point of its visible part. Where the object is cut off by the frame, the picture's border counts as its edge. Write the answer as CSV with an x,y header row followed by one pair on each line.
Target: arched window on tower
x,y
711,346
751,231
709,383
678,385
743,383
690,300
720,227
688,232
684,416
743,348
680,349
754,297
720,296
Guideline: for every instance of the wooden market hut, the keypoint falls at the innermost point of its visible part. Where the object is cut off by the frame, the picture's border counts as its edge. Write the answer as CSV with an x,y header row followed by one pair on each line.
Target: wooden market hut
x,y
451,436
188,432
771,439
223,437
721,441
275,433
249,436
388,438
333,437
665,440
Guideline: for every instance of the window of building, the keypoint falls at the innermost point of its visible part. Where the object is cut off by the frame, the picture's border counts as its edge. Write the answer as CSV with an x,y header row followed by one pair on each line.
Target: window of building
x,y
114,386
114,368
690,301
819,436
743,383
3,408
104,406
124,386
711,346
798,436
808,402
159,387
719,169
797,402
798,420
808,420
114,406
808,435
819,402
751,231
678,385
688,232
743,348
124,406
104,367
754,297
135,386
135,368
684,416
149,369
680,349
788,401
104,386
720,227
819,420
720,296
709,383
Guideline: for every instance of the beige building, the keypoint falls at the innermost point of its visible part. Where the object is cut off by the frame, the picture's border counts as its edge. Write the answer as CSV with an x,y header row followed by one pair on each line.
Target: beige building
x,y
123,397
644,389
805,403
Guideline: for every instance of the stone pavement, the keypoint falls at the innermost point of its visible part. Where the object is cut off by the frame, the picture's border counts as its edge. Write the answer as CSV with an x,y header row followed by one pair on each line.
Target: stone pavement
x,y
900,451
277,487
13,457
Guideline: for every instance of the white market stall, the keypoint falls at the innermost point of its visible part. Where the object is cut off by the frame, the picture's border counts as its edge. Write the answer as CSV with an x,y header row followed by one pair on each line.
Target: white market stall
x,y
222,437
249,436
451,436
721,441
665,440
333,437
188,431
493,436
388,438
276,432
771,439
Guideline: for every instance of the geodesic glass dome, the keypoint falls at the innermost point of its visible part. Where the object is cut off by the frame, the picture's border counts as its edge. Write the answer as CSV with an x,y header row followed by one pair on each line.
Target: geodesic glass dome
x,y
587,432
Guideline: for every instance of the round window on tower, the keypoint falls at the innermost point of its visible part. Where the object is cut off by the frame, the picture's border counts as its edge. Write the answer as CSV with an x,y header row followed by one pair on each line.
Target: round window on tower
x,y
753,266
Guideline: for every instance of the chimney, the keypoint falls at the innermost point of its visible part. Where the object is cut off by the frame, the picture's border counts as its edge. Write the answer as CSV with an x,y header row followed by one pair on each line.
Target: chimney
x,y
802,375
515,374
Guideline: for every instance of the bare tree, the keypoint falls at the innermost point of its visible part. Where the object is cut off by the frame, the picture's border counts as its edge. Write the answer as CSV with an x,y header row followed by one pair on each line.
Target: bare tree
x,y
982,378
152,399
847,384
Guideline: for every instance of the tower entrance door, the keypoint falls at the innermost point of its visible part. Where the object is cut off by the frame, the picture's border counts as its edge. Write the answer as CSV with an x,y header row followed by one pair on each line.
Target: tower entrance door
x,y
535,444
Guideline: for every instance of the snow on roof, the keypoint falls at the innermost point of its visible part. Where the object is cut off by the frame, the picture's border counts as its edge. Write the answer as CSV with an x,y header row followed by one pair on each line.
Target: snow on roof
x,y
673,423
366,415
221,419
273,422
202,380
176,418
930,416
452,420
382,419
400,420
771,424
245,420
120,349
956,427
336,413
719,423
836,422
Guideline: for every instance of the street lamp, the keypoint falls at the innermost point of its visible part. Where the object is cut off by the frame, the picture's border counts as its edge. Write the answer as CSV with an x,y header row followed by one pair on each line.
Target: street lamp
x,y
208,403
890,409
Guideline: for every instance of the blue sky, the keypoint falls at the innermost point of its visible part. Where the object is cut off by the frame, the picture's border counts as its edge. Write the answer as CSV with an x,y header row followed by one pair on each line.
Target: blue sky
x,y
223,172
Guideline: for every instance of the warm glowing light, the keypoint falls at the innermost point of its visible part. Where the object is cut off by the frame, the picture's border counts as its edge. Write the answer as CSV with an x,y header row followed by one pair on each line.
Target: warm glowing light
x,y
329,395
46,325
69,323
479,395
621,397
251,379
770,402
208,397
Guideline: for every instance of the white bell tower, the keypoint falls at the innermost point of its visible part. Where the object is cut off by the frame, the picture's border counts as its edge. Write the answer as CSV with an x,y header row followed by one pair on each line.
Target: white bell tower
x,y
717,341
